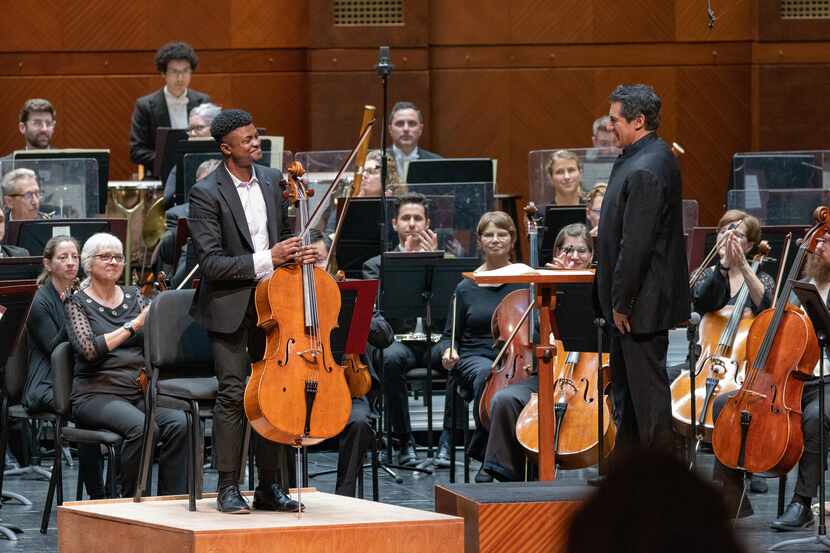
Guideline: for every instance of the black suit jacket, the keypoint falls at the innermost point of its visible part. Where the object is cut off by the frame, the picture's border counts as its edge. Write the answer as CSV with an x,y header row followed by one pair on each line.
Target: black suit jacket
x,y
426,154
14,251
150,112
641,266
219,232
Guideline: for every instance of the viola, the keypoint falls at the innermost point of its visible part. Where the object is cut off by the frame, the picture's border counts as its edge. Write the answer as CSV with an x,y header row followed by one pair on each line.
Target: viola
x,y
575,442
297,394
759,429
513,323
722,341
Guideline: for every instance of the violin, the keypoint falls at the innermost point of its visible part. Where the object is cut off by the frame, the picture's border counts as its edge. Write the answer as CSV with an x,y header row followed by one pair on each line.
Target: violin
x,y
509,323
154,284
575,442
297,394
759,428
722,341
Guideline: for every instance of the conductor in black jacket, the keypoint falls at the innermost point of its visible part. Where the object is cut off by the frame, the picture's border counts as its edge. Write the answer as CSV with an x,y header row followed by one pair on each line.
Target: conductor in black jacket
x,y
167,107
642,276
238,225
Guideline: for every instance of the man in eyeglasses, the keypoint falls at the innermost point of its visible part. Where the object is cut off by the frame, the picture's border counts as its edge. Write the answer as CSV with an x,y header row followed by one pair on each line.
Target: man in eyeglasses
x,y
37,124
21,196
168,107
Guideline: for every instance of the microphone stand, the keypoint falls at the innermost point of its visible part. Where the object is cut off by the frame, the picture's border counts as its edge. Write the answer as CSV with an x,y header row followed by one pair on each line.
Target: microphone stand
x,y
691,336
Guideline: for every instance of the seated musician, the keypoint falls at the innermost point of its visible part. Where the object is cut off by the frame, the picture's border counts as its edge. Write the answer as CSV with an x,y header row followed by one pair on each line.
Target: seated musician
x,y
46,327
564,172
370,186
21,196
198,126
411,222
166,259
37,124
798,513
504,457
470,358
105,322
356,437
167,107
593,207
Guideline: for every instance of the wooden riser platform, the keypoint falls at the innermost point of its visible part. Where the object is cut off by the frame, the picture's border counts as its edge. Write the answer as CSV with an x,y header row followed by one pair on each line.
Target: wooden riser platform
x,y
331,523
516,517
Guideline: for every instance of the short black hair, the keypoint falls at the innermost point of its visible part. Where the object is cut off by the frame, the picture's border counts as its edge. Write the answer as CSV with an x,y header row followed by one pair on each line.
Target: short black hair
x,y
36,105
228,121
635,99
175,51
412,198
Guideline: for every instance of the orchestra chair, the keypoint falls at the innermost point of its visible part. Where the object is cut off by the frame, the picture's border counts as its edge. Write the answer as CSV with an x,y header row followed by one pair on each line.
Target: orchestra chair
x,y
63,368
14,379
426,378
179,362
458,394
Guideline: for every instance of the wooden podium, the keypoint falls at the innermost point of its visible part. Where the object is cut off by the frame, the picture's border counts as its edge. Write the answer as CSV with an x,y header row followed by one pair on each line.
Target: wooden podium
x,y
544,282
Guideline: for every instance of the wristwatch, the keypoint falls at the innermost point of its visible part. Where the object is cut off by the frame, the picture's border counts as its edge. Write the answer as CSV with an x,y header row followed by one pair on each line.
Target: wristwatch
x,y
128,326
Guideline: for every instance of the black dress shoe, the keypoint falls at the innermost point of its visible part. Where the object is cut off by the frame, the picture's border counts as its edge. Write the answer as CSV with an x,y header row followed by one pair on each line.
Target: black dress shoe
x,y
273,498
230,501
795,517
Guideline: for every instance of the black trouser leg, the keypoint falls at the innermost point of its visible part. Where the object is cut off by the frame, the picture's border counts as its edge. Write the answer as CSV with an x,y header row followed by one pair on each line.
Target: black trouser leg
x,y
808,467
353,443
397,360
641,394
504,456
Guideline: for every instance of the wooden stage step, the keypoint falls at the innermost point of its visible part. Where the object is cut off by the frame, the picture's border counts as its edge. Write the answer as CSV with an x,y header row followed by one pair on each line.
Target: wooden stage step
x,y
513,517
330,523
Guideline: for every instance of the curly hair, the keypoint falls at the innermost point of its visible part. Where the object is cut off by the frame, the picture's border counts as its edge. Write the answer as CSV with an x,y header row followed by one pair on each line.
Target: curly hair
x,y
636,99
175,51
228,121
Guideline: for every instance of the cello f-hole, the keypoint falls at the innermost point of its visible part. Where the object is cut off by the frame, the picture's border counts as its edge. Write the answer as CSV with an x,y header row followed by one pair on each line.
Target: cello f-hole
x,y
587,388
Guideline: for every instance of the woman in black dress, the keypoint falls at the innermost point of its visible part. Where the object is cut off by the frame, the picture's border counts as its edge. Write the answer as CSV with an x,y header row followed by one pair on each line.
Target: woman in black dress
x,y
470,358
105,322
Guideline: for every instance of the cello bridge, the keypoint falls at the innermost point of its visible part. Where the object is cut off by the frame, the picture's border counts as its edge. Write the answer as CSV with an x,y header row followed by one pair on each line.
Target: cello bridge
x,y
310,355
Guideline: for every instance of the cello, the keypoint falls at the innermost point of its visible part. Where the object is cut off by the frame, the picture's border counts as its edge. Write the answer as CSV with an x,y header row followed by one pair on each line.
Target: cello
x,y
514,363
722,341
297,394
575,441
759,428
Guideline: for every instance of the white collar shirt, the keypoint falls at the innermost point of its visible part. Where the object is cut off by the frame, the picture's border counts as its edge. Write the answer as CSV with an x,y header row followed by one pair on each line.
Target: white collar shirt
x,y
177,108
256,215
401,159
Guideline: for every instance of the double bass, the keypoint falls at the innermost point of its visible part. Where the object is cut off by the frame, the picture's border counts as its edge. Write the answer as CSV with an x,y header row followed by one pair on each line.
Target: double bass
x,y
575,441
297,394
722,341
759,428
509,324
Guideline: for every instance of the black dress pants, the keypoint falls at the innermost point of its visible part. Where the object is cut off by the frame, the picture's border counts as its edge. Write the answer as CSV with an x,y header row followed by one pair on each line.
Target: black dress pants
x,y
125,417
232,354
504,456
470,376
398,359
353,443
640,390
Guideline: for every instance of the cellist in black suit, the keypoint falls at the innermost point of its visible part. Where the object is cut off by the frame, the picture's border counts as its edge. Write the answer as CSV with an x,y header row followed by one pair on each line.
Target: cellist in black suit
x,y
642,276
238,225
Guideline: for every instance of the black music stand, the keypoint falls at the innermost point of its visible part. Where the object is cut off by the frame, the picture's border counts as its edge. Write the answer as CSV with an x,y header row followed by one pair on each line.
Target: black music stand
x,y
166,140
816,309
33,234
422,283
20,268
585,334
557,217
359,236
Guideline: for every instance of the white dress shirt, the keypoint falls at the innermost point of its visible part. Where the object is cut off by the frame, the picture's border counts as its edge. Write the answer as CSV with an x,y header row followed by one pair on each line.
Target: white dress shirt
x,y
250,194
177,108
401,159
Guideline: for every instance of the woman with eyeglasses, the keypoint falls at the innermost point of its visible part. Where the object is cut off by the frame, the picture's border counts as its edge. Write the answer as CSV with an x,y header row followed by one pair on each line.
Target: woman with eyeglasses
x,y
46,328
370,187
105,322
504,457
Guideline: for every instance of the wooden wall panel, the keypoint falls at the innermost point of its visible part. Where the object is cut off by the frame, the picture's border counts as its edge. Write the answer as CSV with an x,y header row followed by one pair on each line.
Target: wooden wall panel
x,y
770,26
324,34
734,20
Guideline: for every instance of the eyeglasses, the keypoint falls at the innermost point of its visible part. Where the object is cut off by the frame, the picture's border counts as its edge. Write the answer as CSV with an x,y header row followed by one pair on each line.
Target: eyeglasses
x,y
110,257
28,196
196,128
40,124
371,170
178,73
579,251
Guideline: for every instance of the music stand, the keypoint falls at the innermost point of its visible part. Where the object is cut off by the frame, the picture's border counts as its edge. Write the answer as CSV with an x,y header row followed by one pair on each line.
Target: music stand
x,y
102,157
359,236
422,282
20,268
35,233
816,309
457,170
166,140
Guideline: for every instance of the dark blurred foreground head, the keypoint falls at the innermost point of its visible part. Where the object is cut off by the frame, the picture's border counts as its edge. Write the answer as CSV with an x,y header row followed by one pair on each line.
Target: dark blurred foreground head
x,y
650,503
